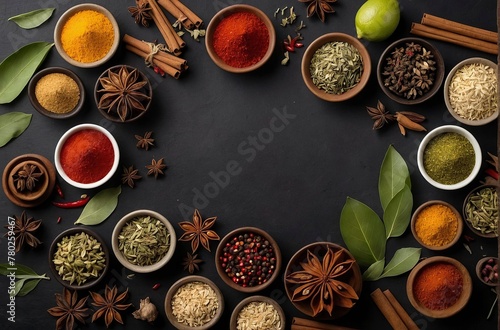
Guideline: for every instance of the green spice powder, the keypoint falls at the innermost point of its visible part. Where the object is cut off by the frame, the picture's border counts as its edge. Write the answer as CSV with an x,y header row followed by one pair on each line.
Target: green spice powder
x,y
449,158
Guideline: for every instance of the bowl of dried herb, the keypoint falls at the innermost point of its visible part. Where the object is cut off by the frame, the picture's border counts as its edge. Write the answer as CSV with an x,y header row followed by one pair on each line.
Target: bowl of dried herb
x,y
336,67
143,241
480,211
410,71
257,312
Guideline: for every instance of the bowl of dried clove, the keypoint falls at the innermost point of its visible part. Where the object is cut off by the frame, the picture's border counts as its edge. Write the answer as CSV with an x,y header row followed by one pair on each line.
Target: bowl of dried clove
x,y
410,71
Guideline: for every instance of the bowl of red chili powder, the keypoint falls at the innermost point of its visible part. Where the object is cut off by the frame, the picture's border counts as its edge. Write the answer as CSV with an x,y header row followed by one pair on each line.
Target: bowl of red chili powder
x,y
87,156
240,38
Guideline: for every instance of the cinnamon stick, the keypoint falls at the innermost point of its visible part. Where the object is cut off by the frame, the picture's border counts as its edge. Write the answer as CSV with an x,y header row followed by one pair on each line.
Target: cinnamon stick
x,y
438,34
459,28
389,312
400,310
171,71
305,324
177,13
188,13
166,29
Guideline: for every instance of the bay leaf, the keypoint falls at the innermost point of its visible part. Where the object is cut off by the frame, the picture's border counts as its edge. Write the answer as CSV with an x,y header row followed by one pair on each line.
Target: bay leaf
x,y
374,271
13,124
404,259
363,232
28,287
33,18
100,207
18,68
394,175
397,214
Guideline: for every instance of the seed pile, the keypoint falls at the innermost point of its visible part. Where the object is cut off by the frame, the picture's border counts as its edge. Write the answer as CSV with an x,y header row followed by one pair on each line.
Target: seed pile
x,y
258,315
194,304
481,210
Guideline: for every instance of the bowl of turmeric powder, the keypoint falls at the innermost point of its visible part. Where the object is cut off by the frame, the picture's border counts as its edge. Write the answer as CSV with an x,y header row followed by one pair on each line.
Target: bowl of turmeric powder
x,y
86,35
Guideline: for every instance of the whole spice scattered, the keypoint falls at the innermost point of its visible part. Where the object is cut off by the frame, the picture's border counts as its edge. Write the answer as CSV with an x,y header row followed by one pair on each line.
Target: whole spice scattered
x,y
144,240
87,36
194,304
409,71
291,44
147,311
405,119
69,309
241,39
198,231
28,177
191,262
322,282
23,229
59,190
144,142
130,175
141,13
59,219
438,285
84,199
404,122
449,158
156,286
156,167
489,271
258,315
79,258
109,305
336,67
248,259
481,210
57,92
380,115
319,7
436,225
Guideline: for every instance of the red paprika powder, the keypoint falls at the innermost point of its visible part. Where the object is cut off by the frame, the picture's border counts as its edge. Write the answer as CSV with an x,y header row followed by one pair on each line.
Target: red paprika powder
x,y
87,156
241,39
438,285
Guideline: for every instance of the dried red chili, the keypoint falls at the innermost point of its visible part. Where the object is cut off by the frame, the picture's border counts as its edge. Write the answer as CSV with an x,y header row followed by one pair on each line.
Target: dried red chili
x,y
70,205
59,190
156,286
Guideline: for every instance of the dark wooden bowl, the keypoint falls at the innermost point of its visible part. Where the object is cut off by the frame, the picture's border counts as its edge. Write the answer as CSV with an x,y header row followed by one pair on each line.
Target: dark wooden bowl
x,y
233,324
466,218
479,267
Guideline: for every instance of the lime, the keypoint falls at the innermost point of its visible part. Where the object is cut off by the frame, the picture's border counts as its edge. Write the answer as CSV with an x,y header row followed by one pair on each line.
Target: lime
x,y
376,20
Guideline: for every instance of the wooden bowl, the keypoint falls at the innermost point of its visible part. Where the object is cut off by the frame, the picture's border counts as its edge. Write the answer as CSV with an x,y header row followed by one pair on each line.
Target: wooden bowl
x,y
466,217
354,278
237,283
458,234
318,43
233,324
453,309
479,267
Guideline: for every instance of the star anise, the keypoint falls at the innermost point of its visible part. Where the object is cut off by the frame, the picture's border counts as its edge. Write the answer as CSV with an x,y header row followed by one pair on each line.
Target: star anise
x,y
27,177
109,305
145,141
141,13
123,93
380,115
68,309
321,282
191,262
156,168
198,231
130,175
319,7
23,229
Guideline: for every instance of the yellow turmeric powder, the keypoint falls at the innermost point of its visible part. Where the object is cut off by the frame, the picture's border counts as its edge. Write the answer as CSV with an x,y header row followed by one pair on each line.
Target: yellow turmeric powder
x,y
87,36
436,225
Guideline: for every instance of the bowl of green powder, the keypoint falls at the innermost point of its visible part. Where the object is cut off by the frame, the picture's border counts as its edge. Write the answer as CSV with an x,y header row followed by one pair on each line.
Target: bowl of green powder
x,y
449,157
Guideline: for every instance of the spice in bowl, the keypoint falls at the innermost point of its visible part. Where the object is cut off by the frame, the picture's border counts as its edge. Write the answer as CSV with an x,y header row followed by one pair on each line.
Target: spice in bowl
x,y
436,225
257,315
487,270
194,304
481,210
57,93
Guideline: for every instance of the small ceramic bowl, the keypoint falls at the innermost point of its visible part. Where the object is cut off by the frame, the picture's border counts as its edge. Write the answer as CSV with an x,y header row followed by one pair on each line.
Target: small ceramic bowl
x,y
353,277
469,208
119,254
438,77
135,114
487,270
447,129
449,79
462,300
459,229
90,282
218,17
67,15
260,242
61,143
264,308
180,284
318,43
51,114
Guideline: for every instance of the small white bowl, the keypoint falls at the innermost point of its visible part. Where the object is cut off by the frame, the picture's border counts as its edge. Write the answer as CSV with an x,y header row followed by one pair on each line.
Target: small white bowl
x,y
447,129
119,255
64,18
64,138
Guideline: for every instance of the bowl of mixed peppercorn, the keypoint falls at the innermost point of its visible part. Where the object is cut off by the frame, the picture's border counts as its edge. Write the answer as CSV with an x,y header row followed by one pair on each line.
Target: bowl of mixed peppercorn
x,y
248,259
410,71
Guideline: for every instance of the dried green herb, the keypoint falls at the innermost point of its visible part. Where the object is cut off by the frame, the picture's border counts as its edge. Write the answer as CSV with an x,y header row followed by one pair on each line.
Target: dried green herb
x,y
26,278
100,207
481,210
13,124
33,18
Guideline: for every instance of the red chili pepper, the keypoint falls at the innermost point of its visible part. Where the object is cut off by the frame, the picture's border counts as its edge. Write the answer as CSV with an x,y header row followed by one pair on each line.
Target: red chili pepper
x,y
156,286
69,205
289,48
159,71
492,173
59,219
299,45
59,190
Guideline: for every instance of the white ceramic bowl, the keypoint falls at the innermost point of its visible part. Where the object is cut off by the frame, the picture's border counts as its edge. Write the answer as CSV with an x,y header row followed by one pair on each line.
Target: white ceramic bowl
x,y
119,255
445,129
61,143
64,18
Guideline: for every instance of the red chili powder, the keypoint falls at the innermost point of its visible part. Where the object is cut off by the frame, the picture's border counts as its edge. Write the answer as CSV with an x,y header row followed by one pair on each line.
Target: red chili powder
x,y
87,156
438,286
241,39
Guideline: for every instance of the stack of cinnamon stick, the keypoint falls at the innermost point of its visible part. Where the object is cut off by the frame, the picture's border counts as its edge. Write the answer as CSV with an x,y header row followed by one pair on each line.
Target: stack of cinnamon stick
x,y
457,33
305,324
394,313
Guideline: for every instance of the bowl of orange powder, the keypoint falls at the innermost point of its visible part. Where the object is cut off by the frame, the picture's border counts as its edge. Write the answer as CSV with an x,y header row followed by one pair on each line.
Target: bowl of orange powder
x,y
86,35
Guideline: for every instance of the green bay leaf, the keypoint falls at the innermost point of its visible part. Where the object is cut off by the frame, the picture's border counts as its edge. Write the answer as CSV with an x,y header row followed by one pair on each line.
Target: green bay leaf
x,y
397,214
374,271
33,18
18,68
394,175
100,207
13,124
403,260
28,287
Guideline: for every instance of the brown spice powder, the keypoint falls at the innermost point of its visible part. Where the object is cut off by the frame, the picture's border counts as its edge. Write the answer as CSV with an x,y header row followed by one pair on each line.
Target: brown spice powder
x,y
57,92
